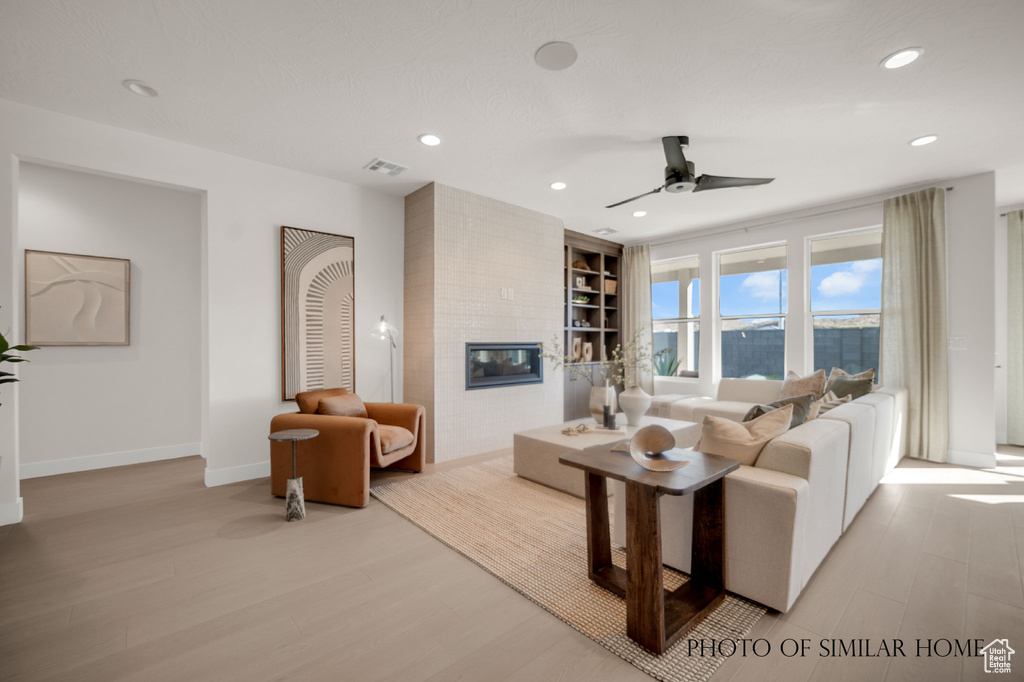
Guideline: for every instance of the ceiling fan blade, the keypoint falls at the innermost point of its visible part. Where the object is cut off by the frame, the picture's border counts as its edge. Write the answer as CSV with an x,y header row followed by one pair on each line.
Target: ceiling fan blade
x,y
638,196
674,152
720,182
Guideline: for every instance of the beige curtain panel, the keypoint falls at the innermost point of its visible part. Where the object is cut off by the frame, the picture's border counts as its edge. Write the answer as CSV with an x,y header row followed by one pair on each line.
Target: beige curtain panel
x,y
635,300
1015,328
914,329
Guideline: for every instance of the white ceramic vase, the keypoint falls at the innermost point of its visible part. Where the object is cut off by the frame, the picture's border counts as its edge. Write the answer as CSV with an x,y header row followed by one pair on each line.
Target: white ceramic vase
x,y
599,397
634,402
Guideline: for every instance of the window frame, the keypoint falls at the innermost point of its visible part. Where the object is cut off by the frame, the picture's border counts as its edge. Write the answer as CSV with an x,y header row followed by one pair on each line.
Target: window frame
x,y
809,312
680,320
719,318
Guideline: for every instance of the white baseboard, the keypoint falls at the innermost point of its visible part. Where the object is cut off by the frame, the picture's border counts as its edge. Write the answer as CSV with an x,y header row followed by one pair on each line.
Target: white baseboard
x,y
980,460
245,472
12,513
104,461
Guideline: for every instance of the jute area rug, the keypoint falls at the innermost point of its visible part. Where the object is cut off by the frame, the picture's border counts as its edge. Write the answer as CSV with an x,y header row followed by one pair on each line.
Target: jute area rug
x,y
534,539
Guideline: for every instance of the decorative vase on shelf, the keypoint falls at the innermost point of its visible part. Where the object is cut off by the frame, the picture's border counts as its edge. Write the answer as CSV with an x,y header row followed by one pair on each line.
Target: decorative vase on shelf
x,y
634,402
599,397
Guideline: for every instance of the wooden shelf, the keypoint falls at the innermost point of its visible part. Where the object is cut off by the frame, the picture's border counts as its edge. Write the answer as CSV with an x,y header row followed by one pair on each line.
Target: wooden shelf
x,y
599,256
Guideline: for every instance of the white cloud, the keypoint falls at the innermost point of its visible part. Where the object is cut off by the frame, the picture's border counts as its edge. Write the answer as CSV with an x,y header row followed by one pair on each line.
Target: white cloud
x,y
846,282
762,285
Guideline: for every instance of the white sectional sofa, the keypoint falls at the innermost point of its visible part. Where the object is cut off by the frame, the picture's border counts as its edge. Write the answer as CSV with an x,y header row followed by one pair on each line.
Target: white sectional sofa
x,y
784,513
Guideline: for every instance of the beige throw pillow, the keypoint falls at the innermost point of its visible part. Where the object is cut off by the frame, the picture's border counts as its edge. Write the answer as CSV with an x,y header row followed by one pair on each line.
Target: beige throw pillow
x,y
795,385
744,441
830,400
349,405
837,372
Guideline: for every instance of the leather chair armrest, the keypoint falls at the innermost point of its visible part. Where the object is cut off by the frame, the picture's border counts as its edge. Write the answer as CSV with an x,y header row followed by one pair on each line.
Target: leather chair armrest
x,y
355,428
397,414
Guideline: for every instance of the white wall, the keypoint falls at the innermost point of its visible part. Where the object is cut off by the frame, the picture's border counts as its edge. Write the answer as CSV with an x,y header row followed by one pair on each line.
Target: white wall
x,y
970,220
108,396
245,204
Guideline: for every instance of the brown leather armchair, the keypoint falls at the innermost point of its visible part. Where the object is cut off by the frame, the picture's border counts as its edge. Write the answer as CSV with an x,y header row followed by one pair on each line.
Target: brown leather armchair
x,y
335,466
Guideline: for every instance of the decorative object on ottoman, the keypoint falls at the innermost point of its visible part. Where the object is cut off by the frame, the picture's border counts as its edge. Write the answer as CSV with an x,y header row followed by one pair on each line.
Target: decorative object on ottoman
x,y
600,396
634,402
295,503
648,446
338,463
577,430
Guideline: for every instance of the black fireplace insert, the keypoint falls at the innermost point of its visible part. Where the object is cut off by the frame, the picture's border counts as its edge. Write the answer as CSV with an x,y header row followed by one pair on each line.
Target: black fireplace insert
x,y
489,365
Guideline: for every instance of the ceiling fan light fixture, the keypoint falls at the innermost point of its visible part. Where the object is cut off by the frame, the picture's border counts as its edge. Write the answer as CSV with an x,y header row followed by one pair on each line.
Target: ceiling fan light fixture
x,y
429,139
558,185
140,88
923,140
900,59
639,214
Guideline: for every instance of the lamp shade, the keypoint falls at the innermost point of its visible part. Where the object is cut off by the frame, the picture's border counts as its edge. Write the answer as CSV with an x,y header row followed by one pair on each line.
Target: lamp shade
x,y
384,330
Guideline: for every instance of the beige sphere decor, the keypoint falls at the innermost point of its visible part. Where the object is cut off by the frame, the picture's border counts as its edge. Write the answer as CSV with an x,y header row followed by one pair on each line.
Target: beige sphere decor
x,y
649,445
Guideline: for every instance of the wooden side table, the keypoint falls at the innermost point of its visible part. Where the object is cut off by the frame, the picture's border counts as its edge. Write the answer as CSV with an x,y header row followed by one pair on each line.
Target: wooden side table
x,y
655,619
295,503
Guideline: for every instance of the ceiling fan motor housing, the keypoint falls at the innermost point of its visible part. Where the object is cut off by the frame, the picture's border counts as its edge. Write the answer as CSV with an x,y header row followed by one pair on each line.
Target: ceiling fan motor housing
x,y
677,181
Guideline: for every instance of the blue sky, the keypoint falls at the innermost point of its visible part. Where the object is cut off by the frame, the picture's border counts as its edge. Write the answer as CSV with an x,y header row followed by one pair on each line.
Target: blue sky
x,y
840,286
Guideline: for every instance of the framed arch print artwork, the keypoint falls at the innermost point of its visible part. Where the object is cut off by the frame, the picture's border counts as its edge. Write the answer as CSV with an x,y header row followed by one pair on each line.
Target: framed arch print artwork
x,y
317,311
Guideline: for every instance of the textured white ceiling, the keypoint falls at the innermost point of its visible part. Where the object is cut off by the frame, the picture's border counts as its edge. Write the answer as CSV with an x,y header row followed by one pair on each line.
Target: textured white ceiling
x,y
784,88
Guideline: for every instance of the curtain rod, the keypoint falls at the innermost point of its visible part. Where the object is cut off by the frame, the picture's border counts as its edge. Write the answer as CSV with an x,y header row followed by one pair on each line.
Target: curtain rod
x,y
713,231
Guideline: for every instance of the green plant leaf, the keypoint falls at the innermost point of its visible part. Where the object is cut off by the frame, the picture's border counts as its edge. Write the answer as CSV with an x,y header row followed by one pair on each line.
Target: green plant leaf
x,y
21,348
7,380
12,358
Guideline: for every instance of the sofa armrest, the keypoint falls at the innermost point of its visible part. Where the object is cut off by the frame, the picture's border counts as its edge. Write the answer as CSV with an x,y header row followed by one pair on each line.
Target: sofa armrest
x,y
397,414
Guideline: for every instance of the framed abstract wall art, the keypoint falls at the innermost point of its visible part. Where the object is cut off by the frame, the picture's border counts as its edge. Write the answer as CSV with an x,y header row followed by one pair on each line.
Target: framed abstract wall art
x,y
75,300
317,311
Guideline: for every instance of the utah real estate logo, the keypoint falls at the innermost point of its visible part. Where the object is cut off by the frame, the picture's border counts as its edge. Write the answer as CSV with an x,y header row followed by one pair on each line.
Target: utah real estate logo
x,y
997,656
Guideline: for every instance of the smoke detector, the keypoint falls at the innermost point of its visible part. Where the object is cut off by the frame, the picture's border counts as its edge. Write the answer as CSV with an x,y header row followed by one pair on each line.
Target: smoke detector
x,y
383,167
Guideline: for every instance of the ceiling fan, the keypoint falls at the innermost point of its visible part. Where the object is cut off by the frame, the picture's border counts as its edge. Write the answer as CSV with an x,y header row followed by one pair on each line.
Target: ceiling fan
x,y
679,174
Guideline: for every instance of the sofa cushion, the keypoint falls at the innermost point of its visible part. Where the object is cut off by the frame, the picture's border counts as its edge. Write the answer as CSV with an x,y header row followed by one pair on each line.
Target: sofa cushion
x,y
795,385
726,409
753,391
801,409
309,401
838,372
348,405
394,438
849,386
742,441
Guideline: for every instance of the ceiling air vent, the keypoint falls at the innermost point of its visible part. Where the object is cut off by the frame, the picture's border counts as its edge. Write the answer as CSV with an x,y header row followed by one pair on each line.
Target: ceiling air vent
x,y
385,167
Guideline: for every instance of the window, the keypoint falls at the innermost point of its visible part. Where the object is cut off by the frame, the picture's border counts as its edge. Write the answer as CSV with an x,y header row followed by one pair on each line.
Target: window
x,y
675,307
752,305
846,284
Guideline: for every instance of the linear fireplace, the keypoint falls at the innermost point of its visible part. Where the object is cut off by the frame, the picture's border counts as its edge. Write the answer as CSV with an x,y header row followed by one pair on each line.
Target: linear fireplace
x,y
489,365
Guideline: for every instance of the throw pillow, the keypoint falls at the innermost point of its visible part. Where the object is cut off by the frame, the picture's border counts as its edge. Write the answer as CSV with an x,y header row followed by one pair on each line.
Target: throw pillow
x,y
830,400
837,372
801,409
855,388
349,405
795,385
742,442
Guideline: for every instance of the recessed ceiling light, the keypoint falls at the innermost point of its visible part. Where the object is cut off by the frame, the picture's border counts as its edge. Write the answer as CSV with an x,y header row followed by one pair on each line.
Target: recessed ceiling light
x,y
429,140
902,58
140,88
557,185
605,230
922,141
555,56
639,214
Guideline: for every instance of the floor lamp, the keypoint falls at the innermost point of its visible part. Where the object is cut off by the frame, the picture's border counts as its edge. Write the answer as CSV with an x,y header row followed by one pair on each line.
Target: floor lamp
x,y
385,331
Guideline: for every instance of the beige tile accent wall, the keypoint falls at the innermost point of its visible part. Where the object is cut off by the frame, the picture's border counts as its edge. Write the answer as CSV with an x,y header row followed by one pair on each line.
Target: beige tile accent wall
x,y
461,251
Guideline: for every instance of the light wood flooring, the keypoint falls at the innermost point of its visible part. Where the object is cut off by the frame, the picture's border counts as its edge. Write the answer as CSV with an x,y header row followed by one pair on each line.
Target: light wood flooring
x,y
142,573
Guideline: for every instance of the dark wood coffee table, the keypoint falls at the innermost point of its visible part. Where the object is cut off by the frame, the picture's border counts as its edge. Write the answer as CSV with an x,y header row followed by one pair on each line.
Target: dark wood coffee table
x,y
655,619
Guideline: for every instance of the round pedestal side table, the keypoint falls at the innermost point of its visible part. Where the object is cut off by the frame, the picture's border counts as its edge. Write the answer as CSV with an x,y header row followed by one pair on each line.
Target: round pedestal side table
x,y
295,504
